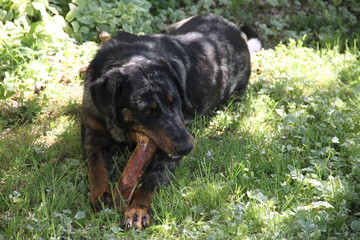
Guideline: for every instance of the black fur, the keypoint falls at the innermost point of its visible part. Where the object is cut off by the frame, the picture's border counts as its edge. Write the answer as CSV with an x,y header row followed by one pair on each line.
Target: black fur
x,y
157,84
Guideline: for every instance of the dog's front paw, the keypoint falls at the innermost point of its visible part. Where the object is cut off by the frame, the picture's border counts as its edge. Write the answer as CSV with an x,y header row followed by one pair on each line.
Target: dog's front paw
x,y
100,200
137,217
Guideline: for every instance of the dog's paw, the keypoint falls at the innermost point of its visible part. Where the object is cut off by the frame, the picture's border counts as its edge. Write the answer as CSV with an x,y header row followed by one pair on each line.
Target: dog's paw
x,y
137,217
101,200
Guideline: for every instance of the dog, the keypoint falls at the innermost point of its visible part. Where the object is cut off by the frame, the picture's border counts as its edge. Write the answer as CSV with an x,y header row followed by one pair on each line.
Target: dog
x,y
156,85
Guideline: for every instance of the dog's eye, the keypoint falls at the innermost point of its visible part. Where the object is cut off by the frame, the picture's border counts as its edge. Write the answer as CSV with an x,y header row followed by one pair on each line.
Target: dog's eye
x,y
170,98
152,110
149,112
153,105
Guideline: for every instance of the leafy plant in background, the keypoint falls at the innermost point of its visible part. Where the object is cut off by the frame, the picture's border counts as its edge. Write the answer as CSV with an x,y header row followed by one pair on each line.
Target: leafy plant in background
x,y
88,18
31,23
322,22
29,29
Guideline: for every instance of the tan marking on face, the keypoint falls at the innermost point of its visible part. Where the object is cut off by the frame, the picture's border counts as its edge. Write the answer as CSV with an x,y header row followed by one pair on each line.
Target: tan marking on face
x,y
126,115
153,105
170,98
159,138
94,123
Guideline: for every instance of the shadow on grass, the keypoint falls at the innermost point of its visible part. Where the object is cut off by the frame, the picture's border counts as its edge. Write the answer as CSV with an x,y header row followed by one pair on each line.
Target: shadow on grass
x,y
31,144
22,113
42,170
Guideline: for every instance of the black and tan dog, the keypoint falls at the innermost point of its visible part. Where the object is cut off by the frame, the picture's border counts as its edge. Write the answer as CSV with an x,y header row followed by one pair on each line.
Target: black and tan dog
x,y
155,85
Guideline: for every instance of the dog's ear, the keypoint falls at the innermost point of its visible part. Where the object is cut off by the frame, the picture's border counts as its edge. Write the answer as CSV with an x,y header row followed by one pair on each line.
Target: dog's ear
x,y
178,69
106,92
100,93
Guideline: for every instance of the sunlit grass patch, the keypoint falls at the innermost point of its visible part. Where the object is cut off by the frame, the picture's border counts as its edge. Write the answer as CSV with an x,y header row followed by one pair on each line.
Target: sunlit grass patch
x,y
283,150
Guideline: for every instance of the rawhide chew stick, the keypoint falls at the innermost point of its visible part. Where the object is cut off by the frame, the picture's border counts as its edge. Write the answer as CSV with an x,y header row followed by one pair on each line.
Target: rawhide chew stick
x,y
139,160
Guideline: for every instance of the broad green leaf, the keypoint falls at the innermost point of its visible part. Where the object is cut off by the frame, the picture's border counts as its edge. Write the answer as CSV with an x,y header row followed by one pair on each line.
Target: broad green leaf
x,y
84,29
72,7
80,215
335,140
100,17
86,20
70,16
93,6
355,225
75,26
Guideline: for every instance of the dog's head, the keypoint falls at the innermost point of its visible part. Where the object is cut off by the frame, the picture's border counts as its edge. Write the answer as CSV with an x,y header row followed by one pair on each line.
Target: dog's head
x,y
147,97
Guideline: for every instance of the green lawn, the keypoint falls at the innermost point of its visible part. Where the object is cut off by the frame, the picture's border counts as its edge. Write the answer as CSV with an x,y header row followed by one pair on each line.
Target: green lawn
x,y
281,162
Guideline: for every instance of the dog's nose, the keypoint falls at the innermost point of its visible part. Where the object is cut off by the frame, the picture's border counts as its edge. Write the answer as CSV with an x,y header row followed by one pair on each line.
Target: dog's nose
x,y
184,149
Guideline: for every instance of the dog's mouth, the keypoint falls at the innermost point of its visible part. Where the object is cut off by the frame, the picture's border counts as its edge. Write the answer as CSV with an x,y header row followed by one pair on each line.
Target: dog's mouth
x,y
170,154
174,144
175,158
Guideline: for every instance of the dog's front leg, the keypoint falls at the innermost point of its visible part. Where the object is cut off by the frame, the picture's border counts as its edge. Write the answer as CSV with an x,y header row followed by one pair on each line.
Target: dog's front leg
x,y
138,212
96,152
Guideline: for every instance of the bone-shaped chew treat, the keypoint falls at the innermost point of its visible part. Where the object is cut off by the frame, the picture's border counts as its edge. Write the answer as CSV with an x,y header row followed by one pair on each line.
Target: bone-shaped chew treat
x,y
136,165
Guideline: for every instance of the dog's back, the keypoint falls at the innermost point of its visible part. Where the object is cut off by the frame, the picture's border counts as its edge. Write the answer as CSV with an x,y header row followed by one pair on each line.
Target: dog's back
x,y
219,59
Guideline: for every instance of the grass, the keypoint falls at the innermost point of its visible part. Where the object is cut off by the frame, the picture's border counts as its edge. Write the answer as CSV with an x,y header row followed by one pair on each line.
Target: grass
x,y
282,162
